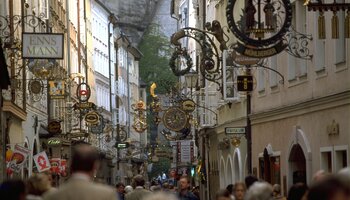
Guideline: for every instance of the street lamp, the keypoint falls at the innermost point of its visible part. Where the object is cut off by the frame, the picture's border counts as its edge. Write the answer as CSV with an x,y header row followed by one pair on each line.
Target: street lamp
x,y
191,79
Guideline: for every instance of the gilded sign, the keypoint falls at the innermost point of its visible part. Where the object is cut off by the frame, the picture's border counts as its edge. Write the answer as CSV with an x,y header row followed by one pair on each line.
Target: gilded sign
x,y
260,52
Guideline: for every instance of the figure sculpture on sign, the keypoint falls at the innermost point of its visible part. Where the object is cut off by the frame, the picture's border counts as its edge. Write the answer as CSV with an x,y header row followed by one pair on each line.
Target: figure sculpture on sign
x,y
269,14
250,11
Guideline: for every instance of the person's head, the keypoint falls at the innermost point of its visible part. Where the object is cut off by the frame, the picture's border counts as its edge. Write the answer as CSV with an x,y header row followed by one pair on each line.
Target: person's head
x,y
49,175
319,175
276,190
184,183
165,185
239,190
160,196
128,189
259,191
84,159
38,184
250,180
329,188
298,191
230,188
13,190
120,187
139,181
223,195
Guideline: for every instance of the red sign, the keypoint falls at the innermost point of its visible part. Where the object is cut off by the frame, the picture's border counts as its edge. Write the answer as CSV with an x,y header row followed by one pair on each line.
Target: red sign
x,y
55,165
42,162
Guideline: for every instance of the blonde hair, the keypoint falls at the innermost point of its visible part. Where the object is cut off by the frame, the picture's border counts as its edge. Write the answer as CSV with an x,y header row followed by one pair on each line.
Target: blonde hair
x,y
38,184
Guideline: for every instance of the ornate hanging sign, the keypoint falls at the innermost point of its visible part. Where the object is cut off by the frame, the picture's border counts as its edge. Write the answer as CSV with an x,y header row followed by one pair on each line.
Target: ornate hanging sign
x,y
92,118
54,127
140,123
57,89
262,26
83,92
175,119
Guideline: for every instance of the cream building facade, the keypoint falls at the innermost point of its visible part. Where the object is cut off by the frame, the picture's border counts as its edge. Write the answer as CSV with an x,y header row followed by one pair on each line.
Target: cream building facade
x,y
301,126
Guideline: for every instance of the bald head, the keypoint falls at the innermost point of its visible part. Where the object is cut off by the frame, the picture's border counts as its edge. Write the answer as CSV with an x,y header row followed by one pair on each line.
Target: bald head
x,y
84,158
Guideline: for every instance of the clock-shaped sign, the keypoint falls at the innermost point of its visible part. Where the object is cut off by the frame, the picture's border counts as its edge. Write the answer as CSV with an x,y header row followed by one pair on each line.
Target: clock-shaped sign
x,y
260,26
175,119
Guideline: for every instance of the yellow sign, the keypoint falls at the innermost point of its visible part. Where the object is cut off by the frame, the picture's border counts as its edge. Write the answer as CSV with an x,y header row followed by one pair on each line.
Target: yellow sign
x,y
56,89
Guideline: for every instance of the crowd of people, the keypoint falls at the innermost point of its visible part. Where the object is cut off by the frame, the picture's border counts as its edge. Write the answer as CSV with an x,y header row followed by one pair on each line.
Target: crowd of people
x,y
84,166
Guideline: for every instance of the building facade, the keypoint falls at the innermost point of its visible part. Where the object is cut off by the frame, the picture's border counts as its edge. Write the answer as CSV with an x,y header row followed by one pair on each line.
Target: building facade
x,y
301,126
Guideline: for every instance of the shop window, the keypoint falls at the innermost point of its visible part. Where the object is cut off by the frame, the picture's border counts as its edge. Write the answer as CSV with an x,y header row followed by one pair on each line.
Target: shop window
x,y
326,161
270,168
340,157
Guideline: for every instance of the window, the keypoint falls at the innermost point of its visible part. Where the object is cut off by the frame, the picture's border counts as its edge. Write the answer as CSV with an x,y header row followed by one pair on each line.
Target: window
x,y
273,75
340,157
270,168
292,59
326,159
340,42
261,80
320,46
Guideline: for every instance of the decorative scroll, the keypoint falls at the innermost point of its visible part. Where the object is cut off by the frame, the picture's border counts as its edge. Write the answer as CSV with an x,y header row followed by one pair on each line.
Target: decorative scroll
x,y
298,44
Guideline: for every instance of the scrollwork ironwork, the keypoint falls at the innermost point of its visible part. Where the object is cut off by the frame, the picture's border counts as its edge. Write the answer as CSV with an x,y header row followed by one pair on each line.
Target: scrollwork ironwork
x,y
210,63
298,44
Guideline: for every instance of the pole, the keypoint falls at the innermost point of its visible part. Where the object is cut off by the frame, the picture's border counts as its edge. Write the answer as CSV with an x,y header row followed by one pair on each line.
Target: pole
x,y
117,100
249,131
3,141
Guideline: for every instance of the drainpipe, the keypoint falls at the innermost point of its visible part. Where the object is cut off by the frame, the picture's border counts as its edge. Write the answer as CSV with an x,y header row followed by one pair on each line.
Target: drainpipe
x,y
128,81
86,45
68,52
78,38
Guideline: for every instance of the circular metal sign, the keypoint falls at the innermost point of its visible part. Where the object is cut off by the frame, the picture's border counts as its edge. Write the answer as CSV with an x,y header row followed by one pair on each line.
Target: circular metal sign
x,y
35,86
92,118
188,105
83,92
274,19
260,27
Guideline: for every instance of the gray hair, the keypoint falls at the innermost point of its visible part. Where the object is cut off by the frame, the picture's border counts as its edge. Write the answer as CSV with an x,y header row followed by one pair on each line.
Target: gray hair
x,y
260,191
160,196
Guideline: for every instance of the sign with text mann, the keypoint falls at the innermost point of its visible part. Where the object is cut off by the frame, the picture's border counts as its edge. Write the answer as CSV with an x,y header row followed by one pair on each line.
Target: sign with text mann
x,y
42,45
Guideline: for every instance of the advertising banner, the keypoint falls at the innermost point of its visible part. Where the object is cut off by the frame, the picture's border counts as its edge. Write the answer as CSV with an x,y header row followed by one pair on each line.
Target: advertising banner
x,y
18,158
55,165
42,162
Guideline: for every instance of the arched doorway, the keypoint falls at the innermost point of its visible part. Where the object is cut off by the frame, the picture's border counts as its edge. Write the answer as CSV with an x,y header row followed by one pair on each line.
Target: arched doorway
x,y
229,174
237,165
299,159
297,163
222,173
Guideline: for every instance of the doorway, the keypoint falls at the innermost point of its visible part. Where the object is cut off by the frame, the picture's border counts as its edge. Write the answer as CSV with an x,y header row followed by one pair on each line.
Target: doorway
x,y
297,163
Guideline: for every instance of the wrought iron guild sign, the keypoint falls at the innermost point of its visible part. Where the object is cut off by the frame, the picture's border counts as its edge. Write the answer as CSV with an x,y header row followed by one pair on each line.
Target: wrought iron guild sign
x,y
261,27
210,62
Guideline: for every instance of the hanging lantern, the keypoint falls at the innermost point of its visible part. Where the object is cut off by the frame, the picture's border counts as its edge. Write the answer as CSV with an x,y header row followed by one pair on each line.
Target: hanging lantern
x,y
335,25
347,25
321,26
236,141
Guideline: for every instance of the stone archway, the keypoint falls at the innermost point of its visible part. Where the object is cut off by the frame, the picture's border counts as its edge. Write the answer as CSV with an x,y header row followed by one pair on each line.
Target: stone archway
x,y
229,172
297,164
299,158
222,173
237,165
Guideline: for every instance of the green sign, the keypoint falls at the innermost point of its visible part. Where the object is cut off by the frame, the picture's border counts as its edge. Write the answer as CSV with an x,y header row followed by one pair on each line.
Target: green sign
x,y
122,145
235,130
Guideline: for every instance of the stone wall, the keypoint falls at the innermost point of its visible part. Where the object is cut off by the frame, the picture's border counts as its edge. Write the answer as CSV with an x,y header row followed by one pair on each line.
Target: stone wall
x,y
134,16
